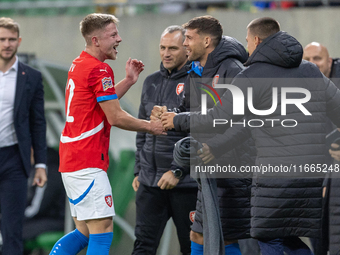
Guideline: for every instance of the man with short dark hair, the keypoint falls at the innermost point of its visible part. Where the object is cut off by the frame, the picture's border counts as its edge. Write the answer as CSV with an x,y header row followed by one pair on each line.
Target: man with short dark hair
x,y
216,59
163,191
282,208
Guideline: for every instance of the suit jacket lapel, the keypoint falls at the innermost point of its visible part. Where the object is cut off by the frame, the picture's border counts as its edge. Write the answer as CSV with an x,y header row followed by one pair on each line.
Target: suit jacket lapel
x,y
20,87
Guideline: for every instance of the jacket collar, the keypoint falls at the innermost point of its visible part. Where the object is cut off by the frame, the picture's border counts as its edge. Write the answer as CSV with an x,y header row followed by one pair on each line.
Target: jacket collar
x,y
175,74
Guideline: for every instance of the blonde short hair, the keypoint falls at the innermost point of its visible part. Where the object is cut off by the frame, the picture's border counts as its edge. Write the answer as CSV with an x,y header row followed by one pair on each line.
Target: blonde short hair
x,y
95,21
10,24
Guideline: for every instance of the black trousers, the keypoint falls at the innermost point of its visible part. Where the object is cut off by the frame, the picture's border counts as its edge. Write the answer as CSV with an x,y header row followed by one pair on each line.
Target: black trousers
x,y
154,207
13,193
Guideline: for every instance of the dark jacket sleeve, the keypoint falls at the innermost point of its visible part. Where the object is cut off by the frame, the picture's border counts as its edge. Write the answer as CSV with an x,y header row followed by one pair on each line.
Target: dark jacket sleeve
x,y
37,119
140,137
182,122
230,139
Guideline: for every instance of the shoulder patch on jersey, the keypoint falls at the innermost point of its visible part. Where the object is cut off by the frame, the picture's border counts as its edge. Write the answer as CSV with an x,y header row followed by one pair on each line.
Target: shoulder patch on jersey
x,y
107,83
179,88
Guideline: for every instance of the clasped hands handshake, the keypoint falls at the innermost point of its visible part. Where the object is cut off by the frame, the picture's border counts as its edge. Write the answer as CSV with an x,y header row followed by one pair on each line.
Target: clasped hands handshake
x,y
160,113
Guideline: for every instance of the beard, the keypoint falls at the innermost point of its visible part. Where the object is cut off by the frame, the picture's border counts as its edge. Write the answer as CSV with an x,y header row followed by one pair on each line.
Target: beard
x,y
196,55
10,57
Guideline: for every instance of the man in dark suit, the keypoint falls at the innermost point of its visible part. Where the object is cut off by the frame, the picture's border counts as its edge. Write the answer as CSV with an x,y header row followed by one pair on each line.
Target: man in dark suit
x,y
22,126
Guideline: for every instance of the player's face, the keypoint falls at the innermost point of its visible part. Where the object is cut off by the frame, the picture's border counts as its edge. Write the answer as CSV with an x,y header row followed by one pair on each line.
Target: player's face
x,y
9,43
109,40
172,51
251,45
319,56
194,44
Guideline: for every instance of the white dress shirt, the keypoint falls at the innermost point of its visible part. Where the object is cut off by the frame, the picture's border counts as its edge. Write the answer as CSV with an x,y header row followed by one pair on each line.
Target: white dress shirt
x,y
8,82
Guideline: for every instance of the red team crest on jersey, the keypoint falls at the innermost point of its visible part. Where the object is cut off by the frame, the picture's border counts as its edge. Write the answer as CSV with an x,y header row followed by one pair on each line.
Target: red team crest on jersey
x,y
108,200
107,83
179,88
192,216
215,80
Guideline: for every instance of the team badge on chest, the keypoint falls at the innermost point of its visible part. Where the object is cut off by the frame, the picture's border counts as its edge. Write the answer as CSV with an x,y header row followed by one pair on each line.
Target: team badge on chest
x,y
107,83
215,80
192,216
179,88
108,200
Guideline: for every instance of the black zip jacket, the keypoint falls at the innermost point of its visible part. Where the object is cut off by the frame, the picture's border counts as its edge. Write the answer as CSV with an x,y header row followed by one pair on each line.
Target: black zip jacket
x,y
222,65
334,185
154,154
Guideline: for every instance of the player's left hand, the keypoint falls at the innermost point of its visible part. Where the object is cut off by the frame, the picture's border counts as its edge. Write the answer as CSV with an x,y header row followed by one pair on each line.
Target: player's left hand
x,y
133,68
168,181
167,119
205,154
156,127
40,177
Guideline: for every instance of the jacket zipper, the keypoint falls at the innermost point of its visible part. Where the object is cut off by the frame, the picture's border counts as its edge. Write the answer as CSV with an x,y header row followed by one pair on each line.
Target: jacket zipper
x,y
159,102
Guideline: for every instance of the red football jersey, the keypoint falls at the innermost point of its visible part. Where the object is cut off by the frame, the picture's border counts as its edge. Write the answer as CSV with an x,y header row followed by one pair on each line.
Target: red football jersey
x,y
84,142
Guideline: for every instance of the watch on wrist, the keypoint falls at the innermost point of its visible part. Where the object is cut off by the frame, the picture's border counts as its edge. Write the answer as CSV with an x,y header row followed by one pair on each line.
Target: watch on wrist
x,y
177,173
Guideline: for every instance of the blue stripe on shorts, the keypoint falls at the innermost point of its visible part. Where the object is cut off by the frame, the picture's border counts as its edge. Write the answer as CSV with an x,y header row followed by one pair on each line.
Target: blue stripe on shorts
x,y
76,201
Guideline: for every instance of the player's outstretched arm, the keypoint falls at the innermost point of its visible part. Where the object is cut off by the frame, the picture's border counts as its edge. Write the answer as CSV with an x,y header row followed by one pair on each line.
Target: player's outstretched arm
x,y
132,69
116,116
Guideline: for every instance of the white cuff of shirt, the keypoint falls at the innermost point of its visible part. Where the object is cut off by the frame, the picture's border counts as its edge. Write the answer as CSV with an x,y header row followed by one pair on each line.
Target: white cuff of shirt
x,y
41,165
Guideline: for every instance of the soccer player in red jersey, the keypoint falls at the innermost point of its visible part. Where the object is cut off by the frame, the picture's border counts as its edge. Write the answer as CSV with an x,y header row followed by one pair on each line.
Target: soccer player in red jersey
x,y
92,107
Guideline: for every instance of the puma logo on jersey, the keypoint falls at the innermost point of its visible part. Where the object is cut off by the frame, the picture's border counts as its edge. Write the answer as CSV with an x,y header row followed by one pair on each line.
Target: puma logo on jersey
x,y
72,68
103,70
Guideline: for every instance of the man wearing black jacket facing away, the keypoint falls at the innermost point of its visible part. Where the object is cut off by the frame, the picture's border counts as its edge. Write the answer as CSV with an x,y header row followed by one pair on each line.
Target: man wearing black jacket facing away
x,y
282,209
163,190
